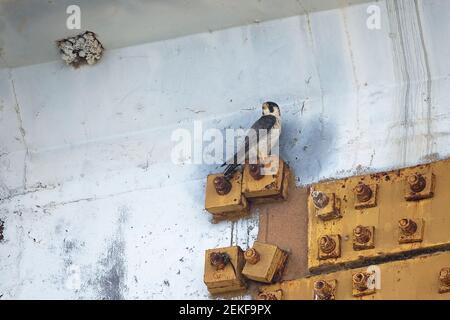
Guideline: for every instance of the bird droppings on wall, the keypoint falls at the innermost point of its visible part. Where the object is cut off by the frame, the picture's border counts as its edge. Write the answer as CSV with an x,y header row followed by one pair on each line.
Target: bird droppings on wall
x,y
111,277
81,49
2,227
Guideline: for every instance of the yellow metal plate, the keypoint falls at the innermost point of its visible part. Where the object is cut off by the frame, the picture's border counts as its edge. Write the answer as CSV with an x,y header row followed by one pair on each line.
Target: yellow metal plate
x,y
271,261
415,279
268,185
233,202
228,279
391,206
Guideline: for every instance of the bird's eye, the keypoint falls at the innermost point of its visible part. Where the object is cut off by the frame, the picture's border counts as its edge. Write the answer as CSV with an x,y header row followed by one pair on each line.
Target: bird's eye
x,y
271,109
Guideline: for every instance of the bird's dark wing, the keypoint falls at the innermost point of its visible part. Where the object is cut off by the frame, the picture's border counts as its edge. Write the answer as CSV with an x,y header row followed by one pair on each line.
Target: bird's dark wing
x,y
265,122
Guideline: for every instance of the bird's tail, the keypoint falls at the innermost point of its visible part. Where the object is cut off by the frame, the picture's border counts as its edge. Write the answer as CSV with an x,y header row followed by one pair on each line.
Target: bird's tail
x,y
229,170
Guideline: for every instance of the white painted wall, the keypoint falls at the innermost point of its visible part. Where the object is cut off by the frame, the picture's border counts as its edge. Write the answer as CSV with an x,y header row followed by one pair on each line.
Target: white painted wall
x,y
85,173
36,24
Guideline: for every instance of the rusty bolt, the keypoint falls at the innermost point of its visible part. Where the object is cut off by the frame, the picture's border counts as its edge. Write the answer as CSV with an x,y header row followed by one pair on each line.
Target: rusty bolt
x,y
407,226
444,276
362,234
360,281
363,192
219,259
222,185
251,256
417,182
323,290
320,199
327,244
267,296
255,171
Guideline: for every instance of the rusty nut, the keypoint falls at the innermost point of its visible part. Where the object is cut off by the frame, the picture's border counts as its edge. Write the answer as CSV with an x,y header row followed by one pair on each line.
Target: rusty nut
x,y
219,259
407,226
417,182
320,199
444,276
327,244
222,185
255,171
267,296
362,234
363,192
360,280
251,256
323,290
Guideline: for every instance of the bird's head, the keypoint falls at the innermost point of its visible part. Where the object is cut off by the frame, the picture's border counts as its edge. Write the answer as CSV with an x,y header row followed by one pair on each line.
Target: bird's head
x,y
271,108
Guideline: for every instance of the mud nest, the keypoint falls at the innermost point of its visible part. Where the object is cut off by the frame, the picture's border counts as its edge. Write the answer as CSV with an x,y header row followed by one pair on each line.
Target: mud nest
x,y
81,49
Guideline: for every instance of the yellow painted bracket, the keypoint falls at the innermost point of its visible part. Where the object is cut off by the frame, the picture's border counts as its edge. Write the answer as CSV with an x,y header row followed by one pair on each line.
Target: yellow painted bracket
x,y
422,278
230,205
378,215
223,270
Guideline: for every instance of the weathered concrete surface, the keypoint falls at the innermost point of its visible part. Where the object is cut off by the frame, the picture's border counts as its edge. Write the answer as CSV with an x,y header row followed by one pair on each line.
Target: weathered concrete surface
x,y
36,24
87,186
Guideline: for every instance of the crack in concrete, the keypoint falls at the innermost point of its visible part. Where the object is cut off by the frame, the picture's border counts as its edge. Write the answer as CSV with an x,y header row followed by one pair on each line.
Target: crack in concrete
x,y
21,129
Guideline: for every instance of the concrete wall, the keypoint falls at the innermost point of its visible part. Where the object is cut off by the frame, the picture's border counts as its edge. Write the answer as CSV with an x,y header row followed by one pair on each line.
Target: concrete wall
x,y
87,184
36,24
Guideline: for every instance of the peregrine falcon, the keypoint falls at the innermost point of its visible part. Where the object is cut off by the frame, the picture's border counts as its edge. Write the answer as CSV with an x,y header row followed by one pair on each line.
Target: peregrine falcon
x,y
271,119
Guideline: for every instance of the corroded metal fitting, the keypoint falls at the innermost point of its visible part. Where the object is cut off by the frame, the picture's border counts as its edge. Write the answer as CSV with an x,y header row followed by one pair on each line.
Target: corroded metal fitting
x,y
327,244
362,234
219,259
323,290
417,182
320,199
267,296
407,226
363,192
444,276
222,185
251,256
255,171
360,281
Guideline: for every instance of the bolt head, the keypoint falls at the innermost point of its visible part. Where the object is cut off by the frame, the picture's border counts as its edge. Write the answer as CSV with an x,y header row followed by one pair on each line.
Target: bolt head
x,y
319,285
403,223
359,188
358,277
408,226
327,244
412,179
417,182
320,199
444,273
222,185
324,241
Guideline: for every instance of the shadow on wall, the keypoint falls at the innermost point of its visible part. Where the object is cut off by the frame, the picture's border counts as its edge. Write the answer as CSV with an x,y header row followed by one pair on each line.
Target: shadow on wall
x,y
306,145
